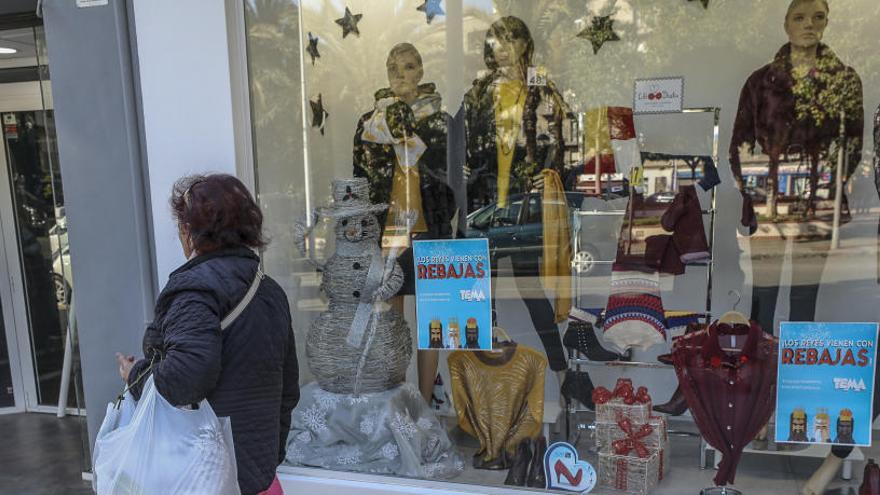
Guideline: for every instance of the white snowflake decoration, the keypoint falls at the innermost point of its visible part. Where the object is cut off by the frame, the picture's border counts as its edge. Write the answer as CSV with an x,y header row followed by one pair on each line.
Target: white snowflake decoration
x,y
404,426
433,442
314,419
326,400
368,425
431,469
304,437
424,423
349,456
360,399
295,455
390,451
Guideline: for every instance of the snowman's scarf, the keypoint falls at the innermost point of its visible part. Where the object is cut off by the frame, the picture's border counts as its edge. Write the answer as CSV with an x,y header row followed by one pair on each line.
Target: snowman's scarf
x,y
364,315
365,306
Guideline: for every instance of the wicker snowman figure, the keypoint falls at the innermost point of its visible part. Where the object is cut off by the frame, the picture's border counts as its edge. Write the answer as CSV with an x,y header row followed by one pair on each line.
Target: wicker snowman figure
x,y
359,344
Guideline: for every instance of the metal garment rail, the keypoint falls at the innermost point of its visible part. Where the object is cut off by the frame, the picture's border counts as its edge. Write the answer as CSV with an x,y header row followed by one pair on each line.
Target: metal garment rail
x,y
574,362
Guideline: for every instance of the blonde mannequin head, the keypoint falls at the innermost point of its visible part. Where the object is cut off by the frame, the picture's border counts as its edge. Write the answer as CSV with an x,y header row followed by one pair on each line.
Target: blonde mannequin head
x,y
405,71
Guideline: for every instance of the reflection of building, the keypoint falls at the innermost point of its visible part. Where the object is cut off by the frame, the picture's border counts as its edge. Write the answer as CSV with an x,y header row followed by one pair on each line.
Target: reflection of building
x,y
794,175
665,173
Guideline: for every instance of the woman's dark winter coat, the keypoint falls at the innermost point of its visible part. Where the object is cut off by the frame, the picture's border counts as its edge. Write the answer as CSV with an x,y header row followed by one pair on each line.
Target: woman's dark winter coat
x,y
248,372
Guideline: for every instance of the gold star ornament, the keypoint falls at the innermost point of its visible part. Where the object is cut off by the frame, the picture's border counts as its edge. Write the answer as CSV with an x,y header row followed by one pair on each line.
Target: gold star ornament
x,y
600,32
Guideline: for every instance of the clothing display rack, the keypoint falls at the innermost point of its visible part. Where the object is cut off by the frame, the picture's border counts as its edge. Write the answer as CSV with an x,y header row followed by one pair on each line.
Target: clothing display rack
x,y
575,362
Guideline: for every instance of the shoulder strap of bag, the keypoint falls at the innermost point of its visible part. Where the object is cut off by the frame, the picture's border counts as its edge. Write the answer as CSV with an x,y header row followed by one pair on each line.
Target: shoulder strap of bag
x,y
248,296
224,323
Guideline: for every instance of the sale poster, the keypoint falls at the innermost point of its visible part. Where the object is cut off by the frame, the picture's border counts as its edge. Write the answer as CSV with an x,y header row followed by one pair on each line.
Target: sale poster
x,y
453,294
825,383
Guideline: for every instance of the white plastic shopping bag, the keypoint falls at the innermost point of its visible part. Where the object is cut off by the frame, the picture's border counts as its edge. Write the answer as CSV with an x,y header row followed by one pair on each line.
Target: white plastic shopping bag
x,y
162,449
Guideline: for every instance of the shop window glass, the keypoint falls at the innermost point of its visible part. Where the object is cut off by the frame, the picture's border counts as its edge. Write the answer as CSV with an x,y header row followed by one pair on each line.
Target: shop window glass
x,y
612,229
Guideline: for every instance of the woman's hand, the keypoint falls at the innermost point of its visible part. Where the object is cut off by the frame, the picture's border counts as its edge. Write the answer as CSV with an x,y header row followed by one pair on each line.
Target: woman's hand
x,y
125,364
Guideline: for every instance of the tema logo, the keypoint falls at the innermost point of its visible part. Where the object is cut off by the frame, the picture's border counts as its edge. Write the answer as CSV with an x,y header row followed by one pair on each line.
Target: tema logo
x,y
849,384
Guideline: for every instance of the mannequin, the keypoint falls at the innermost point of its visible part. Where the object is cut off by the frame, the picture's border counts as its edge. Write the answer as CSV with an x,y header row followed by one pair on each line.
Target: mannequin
x,y
778,111
400,147
513,137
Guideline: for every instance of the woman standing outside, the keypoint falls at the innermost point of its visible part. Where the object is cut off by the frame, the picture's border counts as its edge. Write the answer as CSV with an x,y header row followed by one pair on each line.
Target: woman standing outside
x,y
247,372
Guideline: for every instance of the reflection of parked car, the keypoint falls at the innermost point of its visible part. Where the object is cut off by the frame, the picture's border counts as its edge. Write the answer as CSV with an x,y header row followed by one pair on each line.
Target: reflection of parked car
x,y
518,230
660,198
62,278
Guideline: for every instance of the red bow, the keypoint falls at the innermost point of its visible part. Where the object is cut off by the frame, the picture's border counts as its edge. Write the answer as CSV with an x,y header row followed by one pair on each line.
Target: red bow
x,y
633,440
624,391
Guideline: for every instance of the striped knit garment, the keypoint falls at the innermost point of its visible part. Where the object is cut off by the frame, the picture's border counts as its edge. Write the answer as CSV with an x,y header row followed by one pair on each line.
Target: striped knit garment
x,y
634,315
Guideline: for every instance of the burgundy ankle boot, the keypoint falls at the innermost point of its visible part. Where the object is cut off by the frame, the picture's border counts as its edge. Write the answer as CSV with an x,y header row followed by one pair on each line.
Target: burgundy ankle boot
x,y
676,406
871,479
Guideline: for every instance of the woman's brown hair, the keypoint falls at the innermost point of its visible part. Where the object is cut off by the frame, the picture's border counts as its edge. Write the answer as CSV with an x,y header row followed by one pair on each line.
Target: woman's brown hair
x,y
217,211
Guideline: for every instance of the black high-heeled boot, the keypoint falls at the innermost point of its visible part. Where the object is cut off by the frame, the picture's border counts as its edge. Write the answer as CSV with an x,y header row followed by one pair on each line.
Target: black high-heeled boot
x,y
581,337
676,406
578,386
519,469
537,477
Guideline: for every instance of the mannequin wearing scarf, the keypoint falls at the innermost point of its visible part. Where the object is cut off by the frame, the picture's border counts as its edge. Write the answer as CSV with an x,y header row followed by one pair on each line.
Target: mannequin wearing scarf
x,y
515,145
401,150
768,115
400,147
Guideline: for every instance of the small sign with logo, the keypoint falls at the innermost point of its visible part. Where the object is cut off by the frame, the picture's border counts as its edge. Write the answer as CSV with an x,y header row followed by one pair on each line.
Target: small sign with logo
x,y
825,383
566,471
659,95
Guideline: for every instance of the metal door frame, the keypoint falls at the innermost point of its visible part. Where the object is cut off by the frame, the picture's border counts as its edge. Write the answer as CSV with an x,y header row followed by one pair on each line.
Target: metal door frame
x,y
12,289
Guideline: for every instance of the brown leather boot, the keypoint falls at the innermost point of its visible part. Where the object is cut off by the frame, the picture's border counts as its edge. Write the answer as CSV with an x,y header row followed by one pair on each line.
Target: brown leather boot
x,y
519,470
537,477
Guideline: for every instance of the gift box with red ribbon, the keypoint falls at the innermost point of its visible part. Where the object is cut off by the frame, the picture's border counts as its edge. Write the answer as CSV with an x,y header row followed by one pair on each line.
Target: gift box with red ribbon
x,y
630,463
630,474
634,446
623,402
657,439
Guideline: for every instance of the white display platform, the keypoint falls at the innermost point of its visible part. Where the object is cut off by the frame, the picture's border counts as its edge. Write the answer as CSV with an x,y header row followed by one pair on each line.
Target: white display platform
x,y
323,482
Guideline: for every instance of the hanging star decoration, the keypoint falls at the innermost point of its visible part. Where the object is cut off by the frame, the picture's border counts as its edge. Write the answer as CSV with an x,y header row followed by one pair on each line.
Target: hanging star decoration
x,y
431,8
349,23
319,114
704,2
313,47
600,32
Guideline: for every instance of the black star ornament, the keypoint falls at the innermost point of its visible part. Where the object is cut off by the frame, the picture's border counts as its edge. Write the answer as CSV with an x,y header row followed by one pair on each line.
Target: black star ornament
x,y
349,23
319,114
704,2
313,48
432,9
600,32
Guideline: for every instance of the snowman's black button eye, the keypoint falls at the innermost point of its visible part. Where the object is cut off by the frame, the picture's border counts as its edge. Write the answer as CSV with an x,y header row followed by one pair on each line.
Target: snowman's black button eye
x,y
365,223
344,222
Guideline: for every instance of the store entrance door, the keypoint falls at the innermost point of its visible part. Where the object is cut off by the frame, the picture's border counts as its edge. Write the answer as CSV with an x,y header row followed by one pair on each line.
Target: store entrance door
x,y
37,257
